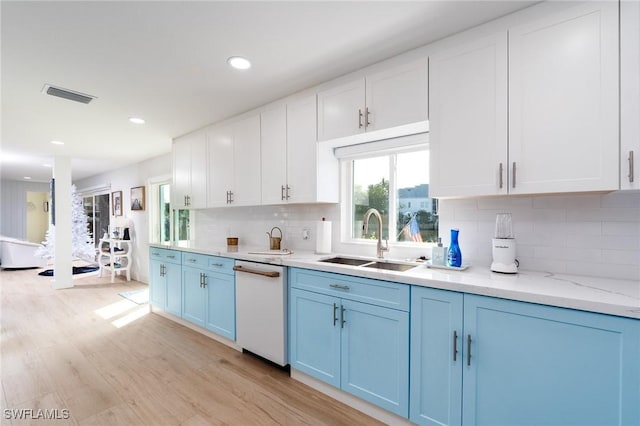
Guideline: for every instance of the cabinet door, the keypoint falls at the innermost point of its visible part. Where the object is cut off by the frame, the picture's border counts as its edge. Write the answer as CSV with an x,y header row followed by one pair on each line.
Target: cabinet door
x,y
436,358
198,195
397,96
341,111
193,296
158,284
220,170
563,101
246,155
221,304
173,278
302,159
533,365
630,94
181,171
468,118
273,145
314,335
375,355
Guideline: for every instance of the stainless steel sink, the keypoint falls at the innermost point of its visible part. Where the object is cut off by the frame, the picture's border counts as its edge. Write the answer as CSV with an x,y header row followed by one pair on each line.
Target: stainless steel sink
x,y
389,266
346,261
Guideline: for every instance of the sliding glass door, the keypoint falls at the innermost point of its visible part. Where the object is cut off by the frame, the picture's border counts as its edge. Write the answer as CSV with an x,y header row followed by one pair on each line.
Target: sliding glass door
x,y
96,207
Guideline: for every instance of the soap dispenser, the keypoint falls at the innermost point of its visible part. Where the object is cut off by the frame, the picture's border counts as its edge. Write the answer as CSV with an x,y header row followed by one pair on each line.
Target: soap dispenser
x,y
438,253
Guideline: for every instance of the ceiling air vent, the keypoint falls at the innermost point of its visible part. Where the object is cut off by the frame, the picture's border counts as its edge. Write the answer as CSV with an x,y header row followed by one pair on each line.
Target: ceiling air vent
x,y
67,94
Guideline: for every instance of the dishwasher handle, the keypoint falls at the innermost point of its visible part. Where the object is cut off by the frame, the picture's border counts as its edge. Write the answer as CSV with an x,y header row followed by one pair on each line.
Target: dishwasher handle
x,y
270,274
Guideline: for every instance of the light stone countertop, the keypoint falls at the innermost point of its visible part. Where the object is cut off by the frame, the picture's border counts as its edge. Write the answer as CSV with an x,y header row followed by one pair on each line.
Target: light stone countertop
x,y
594,294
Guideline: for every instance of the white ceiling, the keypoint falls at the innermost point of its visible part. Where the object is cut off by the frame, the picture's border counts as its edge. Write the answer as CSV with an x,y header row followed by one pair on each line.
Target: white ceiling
x,y
166,62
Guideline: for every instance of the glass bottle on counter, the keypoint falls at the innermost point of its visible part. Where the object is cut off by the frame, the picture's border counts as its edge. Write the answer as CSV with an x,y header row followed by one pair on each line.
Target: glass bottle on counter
x,y
454,256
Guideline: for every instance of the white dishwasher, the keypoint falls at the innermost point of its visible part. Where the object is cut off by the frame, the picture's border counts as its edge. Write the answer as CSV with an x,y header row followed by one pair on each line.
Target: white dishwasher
x,y
261,310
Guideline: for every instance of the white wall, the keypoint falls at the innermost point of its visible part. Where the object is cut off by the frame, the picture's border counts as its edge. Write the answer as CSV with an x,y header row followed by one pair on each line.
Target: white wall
x,y
589,234
124,179
13,206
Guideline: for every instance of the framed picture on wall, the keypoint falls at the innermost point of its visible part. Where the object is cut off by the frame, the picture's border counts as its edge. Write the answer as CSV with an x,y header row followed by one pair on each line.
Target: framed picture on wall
x,y
137,198
116,203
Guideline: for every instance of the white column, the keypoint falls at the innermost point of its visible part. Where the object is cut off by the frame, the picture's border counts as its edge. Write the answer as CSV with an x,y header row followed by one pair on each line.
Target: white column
x,y
63,277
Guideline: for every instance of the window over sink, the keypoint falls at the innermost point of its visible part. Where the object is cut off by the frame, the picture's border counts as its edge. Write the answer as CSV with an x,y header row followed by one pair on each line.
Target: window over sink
x,y
394,181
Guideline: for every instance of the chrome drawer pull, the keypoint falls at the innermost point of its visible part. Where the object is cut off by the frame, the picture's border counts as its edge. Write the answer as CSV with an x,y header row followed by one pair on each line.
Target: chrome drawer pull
x,y
191,260
341,287
171,256
342,320
335,314
468,349
455,345
219,265
270,274
631,173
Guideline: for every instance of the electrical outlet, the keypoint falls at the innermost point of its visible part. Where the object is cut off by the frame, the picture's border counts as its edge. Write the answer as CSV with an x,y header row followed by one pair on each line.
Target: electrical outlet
x,y
306,234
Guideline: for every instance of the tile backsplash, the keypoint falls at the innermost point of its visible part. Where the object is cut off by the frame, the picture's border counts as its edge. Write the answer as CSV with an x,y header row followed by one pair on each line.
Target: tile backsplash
x,y
587,234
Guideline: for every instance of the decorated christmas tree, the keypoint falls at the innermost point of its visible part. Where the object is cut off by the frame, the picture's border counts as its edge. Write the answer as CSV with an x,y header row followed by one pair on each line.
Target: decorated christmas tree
x,y
82,245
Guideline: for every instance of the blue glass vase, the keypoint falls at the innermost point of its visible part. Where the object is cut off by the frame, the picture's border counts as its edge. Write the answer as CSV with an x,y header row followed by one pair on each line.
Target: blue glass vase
x,y
454,256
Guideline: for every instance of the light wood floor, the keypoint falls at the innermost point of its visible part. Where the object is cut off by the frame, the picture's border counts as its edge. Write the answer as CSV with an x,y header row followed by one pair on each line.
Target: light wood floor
x,y
110,362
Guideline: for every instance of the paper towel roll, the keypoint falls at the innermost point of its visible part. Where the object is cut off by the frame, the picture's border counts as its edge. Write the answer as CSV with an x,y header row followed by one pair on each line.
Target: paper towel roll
x,y
323,237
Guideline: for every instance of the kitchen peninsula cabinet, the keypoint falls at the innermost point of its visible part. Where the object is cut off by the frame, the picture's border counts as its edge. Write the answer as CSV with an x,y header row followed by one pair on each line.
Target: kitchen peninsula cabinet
x,y
495,361
208,293
295,168
389,98
558,78
165,280
190,171
361,348
234,163
629,94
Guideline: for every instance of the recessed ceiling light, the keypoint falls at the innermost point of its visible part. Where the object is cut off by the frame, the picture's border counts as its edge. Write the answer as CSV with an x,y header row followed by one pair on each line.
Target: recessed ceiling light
x,y
136,120
239,62
27,177
57,142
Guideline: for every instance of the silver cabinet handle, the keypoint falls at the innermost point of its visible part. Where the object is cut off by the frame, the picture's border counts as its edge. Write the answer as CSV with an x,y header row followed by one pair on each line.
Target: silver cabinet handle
x,y
367,123
631,173
455,345
500,172
217,265
230,197
171,256
335,314
270,274
513,175
468,349
282,192
191,260
341,287
155,253
204,280
359,118
342,320
200,279
287,192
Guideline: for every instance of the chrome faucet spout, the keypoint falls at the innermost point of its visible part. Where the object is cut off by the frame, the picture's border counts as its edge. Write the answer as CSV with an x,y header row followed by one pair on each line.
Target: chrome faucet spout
x,y
380,248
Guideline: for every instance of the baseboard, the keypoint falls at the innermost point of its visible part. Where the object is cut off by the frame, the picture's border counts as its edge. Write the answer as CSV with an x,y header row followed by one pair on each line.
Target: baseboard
x,y
194,327
350,400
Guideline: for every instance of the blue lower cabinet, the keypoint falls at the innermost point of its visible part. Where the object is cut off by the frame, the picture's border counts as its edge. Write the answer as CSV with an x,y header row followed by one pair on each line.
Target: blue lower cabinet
x,y
358,347
516,363
209,293
436,357
165,280
375,355
194,300
314,335
221,304
532,364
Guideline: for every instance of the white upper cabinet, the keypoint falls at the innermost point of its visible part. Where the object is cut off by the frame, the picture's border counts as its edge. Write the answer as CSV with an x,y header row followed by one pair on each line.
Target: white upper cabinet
x,y
190,171
246,152
540,116
234,163
273,137
468,117
563,101
220,150
630,94
390,98
292,161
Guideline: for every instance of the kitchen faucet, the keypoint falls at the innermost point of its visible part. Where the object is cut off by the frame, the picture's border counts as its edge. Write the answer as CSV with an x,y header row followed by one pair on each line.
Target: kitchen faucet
x,y
367,216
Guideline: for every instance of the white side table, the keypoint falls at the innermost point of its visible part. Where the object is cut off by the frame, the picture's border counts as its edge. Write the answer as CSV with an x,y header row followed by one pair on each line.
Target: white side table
x,y
114,256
